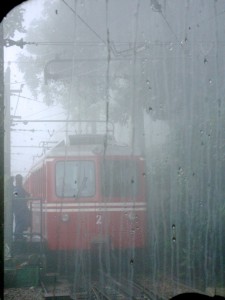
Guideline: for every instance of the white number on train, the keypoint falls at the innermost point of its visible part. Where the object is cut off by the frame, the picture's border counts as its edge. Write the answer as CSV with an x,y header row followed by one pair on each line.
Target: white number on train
x,y
99,219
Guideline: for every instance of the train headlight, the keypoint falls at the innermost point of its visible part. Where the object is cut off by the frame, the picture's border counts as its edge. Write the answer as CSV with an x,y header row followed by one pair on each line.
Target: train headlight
x,y
131,216
65,217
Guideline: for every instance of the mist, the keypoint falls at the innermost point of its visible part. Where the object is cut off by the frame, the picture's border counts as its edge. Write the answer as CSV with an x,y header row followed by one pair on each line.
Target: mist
x,y
129,109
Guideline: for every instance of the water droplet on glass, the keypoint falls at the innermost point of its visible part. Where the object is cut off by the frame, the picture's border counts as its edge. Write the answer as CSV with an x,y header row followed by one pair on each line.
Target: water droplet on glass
x,y
174,233
132,231
210,81
180,171
171,47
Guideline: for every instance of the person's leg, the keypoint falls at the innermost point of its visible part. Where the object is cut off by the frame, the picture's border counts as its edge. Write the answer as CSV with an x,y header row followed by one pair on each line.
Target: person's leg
x,y
18,229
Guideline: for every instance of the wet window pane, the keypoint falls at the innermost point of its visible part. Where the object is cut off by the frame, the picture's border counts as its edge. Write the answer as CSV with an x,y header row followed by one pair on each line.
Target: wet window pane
x,y
114,116
75,179
119,178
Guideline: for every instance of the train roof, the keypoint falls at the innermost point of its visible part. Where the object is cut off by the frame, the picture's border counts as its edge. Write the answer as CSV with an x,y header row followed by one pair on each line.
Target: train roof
x,y
91,145
88,146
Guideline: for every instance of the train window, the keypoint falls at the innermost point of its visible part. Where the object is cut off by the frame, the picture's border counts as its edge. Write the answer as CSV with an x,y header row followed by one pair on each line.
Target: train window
x,y
75,179
119,178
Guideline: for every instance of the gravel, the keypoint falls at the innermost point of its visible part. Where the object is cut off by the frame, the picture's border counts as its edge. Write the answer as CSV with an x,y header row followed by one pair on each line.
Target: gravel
x,y
30,293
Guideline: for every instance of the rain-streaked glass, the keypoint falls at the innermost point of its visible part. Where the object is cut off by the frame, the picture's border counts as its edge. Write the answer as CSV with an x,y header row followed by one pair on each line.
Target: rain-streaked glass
x,y
118,107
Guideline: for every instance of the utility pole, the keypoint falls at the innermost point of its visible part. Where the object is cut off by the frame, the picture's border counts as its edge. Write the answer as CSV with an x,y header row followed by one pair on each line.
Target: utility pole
x,y
5,181
8,218
1,147
7,121
6,126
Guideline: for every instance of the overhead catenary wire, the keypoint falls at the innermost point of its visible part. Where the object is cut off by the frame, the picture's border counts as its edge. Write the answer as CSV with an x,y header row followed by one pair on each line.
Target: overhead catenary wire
x,y
84,22
27,98
113,43
107,76
105,42
31,146
70,43
40,130
18,98
41,111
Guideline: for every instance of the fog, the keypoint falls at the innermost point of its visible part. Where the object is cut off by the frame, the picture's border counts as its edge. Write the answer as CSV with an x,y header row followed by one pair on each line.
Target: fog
x,y
144,82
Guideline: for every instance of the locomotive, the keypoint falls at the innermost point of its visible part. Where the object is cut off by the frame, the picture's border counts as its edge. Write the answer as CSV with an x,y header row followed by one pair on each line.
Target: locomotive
x,y
87,193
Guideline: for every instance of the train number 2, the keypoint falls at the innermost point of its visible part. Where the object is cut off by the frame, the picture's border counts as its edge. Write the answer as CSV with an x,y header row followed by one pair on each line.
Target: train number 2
x,y
98,219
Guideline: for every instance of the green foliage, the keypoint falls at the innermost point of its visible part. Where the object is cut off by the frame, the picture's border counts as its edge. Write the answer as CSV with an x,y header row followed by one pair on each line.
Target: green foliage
x,y
14,22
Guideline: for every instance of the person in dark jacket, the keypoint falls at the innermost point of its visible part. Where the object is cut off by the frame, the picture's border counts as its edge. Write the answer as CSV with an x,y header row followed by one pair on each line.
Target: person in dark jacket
x,y
20,208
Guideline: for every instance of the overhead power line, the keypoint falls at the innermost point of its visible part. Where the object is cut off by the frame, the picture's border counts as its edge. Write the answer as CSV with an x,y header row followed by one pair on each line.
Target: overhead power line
x,y
27,98
106,43
86,24
22,146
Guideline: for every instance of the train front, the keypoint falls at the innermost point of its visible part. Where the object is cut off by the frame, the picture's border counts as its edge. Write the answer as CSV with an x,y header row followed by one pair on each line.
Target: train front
x,y
98,200
95,202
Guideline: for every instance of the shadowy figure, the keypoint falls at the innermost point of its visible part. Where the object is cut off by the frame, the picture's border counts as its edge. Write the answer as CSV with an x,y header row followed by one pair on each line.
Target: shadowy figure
x,y
20,208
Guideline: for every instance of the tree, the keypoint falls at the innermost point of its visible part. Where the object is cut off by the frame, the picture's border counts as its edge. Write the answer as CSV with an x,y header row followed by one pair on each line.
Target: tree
x,y
80,34
56,38
13,22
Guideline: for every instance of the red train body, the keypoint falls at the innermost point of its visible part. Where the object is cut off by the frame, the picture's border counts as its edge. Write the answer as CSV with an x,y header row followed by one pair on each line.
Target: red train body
x,y
84,195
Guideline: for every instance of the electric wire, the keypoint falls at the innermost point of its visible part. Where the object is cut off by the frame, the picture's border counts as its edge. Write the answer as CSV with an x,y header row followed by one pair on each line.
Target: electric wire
x,y
84,22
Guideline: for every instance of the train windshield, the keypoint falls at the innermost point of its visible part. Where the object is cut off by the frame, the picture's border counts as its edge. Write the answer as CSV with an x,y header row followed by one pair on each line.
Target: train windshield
x,y
121,179
75,179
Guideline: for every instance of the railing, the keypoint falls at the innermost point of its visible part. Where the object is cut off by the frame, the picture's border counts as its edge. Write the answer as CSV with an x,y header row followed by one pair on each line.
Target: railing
x,y
37,206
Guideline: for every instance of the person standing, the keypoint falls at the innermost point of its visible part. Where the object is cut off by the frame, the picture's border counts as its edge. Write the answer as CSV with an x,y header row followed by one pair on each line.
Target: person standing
x,y
20,208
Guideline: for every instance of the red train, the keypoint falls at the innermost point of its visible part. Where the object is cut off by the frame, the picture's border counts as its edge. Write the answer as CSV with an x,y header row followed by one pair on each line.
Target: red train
x,y
86,193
